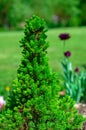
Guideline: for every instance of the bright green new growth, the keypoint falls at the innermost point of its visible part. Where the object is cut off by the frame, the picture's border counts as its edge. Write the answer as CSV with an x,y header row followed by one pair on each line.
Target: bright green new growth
x,y
34,103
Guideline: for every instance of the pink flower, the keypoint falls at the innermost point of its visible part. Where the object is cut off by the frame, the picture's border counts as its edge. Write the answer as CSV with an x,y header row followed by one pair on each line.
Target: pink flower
x,y
2,102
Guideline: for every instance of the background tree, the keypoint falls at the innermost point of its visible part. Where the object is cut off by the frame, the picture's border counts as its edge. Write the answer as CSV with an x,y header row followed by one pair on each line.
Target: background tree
x,y
19,12
5,7
64,12
13,12
83,10
56,13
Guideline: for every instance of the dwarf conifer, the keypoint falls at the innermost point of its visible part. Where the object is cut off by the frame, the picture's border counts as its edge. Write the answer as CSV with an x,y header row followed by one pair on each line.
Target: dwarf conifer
x,y
34,103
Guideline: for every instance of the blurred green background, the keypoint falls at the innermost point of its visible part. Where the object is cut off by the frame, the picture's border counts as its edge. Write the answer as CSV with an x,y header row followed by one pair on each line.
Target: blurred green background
x,y
57,13
61,16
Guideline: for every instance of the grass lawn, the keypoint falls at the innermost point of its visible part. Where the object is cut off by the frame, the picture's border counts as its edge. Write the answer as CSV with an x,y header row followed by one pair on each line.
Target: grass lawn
x,y
10,52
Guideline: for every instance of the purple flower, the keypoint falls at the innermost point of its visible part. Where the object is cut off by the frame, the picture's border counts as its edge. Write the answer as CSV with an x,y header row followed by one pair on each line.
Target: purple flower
x,y
67,54
64,36
76,69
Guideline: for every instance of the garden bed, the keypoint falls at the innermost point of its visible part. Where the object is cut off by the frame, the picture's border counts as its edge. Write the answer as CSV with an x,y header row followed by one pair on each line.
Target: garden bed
x,y
81,107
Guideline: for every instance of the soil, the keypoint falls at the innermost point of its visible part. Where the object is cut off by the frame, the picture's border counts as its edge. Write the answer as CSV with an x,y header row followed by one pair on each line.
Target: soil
x,y
81,107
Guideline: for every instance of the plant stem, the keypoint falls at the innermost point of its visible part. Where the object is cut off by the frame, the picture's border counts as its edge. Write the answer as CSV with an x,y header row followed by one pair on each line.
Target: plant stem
x,y
64,46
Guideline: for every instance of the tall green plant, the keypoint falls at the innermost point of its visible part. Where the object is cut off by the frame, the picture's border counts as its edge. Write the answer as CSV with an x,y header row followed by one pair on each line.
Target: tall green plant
x,y
34,103
74,81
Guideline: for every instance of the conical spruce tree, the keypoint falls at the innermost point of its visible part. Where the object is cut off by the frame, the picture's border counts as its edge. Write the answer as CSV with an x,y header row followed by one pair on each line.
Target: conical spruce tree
x,y
34,103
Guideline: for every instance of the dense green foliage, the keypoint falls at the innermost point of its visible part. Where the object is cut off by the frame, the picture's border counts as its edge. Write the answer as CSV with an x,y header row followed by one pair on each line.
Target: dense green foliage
x,y
57,13
10,53
34,103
